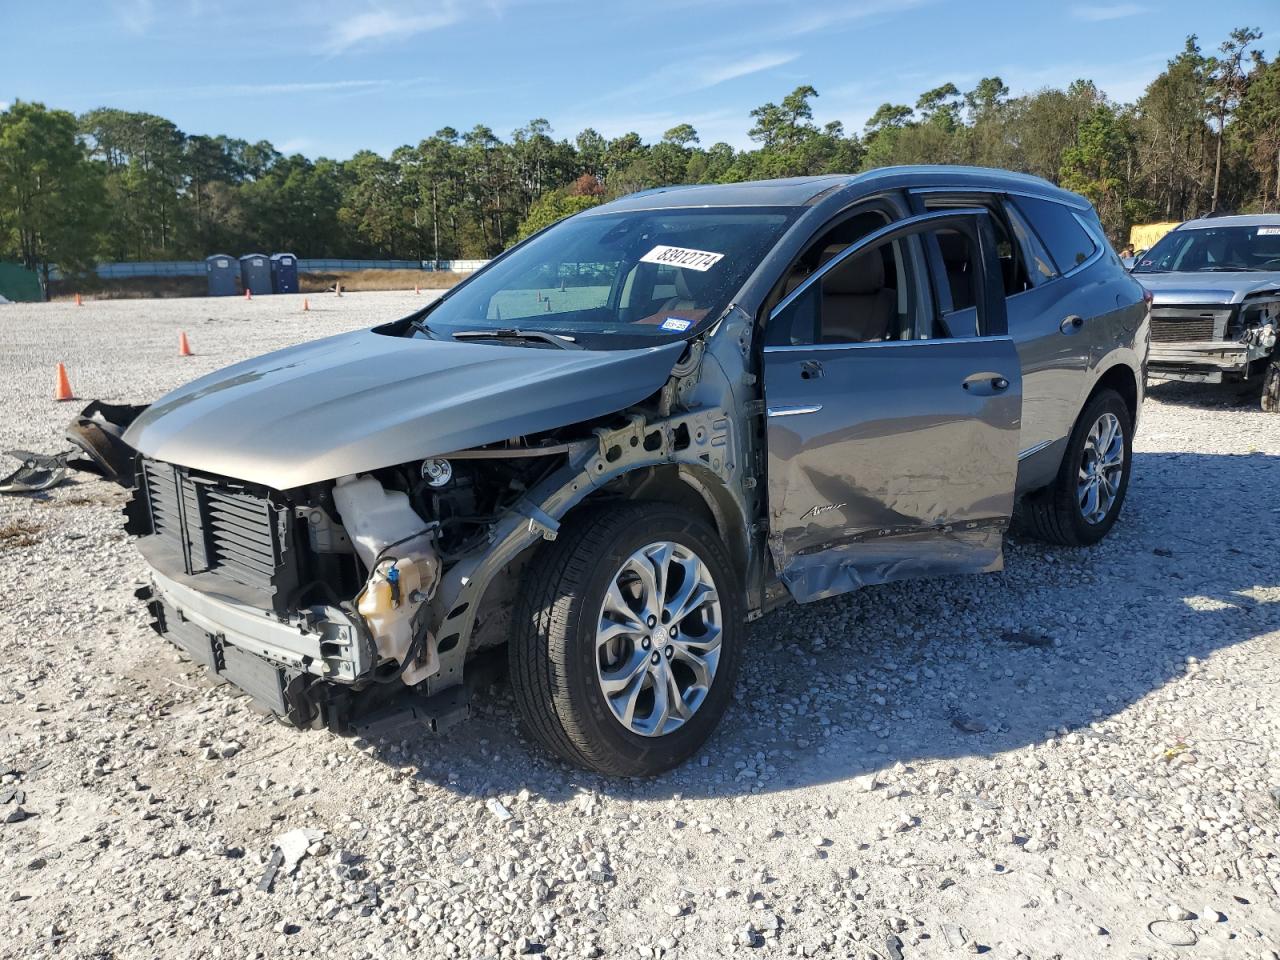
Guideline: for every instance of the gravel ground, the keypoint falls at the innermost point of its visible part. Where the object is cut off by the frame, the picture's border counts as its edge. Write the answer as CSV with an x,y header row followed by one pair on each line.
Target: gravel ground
x,y
1079,757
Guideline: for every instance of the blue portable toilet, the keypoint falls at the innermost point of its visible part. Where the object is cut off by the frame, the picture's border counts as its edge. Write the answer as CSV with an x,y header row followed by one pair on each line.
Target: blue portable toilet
x,y
223,270
255,273
284,273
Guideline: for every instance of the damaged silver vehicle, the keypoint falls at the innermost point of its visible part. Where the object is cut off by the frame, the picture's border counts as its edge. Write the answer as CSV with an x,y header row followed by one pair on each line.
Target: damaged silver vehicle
x,y
631,434
1216,314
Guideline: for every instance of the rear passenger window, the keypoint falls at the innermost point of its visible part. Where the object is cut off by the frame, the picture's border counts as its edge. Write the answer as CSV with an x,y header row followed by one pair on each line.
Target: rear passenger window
x,y
1068,242
1013,260
961,261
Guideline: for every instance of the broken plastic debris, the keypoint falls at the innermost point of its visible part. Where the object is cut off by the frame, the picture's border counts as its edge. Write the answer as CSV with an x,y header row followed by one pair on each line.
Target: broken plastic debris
x,y
494,806
38,472
269,872
293,846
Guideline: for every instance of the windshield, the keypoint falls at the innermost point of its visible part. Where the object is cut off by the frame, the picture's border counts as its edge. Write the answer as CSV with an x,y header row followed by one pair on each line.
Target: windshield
x,y
1212,249
617,280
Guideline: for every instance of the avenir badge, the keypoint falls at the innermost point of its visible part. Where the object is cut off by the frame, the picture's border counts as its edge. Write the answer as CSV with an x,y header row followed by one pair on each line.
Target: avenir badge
x,y
700,260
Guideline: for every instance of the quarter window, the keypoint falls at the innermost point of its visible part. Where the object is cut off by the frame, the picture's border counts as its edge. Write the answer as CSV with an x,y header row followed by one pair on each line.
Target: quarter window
x,y
1034,254
1068,242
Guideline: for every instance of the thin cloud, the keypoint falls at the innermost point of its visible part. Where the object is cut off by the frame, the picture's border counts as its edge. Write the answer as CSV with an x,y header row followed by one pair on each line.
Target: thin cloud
x,y
679,78
714,76
1100,12
221,90
378,25
135,16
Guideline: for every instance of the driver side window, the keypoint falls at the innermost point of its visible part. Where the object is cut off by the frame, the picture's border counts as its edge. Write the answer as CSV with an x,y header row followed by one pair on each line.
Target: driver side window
x,y
870,297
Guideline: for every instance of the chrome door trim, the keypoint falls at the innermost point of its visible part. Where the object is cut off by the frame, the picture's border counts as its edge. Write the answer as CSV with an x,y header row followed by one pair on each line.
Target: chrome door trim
x,y
1032,451
870,344
793,411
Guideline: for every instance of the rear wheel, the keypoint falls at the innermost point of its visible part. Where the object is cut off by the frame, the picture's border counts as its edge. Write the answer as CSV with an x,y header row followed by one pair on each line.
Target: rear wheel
x,y
1081,505
627,639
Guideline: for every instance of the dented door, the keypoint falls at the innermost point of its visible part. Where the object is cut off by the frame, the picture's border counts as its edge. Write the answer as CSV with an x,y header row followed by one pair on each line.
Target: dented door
x,y
891,459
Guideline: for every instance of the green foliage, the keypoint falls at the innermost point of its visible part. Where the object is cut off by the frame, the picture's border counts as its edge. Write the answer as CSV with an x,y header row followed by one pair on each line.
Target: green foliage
x,y
552,207
51,195
116,184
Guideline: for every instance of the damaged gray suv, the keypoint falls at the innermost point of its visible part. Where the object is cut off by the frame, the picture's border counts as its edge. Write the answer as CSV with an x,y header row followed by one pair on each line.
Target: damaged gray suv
x,y
631,434
1216,311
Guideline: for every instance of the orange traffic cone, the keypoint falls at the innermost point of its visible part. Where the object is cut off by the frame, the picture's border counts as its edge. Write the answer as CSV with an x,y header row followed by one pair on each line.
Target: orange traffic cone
x,y
62,386
79,302
184,348
305,305
248,294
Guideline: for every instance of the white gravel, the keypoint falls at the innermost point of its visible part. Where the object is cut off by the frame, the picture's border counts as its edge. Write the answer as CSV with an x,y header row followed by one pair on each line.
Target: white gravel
x,y
1076,758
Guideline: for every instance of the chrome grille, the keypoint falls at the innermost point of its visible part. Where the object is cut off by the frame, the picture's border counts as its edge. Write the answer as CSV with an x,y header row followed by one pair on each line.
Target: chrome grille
x,y
1188,324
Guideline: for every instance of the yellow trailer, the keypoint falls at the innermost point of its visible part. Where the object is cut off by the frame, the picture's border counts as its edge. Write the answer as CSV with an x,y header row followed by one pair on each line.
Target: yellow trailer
x,y
1143,236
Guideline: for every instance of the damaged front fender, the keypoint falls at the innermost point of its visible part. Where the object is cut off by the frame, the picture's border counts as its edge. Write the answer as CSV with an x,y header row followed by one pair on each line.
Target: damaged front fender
x,y
99,432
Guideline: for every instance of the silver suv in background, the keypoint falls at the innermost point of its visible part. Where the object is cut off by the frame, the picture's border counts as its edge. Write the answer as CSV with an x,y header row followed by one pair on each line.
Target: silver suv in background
x,y
635,431
1216,315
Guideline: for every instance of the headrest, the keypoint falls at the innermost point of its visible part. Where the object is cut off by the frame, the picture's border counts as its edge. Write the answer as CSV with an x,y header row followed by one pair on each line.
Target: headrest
x,y
861,275
692,284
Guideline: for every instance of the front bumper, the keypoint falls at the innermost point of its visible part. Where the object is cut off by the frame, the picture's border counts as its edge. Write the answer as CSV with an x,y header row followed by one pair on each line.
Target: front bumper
x,y
1209,361
275,662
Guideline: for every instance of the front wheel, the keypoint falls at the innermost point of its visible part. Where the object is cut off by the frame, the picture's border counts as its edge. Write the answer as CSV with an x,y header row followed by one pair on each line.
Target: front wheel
x,y
1081,505
1271,387
627,639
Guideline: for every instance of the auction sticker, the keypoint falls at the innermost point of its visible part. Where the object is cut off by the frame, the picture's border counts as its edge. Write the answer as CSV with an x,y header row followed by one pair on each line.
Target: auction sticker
x,y
1268,231
700,260
678,324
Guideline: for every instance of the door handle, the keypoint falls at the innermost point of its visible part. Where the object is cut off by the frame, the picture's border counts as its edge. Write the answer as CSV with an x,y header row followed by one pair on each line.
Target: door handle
x,y
810,370
1071,324
986,384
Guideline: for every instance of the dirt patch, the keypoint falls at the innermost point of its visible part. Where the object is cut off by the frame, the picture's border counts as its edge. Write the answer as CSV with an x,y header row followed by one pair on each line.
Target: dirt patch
x,y
354,280
130,288
19,533
127,288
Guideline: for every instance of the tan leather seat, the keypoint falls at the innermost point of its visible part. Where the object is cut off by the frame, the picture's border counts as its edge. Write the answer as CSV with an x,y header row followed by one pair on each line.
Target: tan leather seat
x,y
857,307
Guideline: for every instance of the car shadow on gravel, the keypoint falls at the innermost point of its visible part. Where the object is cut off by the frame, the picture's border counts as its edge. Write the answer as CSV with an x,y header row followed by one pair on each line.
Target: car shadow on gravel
x,y
928,671
1215,396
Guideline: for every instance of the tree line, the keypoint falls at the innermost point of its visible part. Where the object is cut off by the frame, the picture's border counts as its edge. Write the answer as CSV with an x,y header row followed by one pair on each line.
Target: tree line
x,y
116,185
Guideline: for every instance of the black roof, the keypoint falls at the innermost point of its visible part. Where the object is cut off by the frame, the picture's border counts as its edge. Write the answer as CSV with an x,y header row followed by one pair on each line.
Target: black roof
x,y
803,191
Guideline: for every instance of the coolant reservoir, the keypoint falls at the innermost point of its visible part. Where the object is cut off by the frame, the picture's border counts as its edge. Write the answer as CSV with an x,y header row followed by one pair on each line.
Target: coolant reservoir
x,y
391,539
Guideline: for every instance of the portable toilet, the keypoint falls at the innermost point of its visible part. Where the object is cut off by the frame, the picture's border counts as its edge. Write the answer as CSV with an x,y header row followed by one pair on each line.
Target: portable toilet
x,y
255,273
222,271
284,273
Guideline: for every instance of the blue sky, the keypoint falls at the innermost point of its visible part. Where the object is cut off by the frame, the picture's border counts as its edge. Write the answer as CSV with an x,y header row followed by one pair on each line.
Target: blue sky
x,y
329,77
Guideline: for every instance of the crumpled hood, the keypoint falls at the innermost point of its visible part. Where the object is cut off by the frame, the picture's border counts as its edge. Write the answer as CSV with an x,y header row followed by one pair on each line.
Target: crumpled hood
x,y
363,400
1197,288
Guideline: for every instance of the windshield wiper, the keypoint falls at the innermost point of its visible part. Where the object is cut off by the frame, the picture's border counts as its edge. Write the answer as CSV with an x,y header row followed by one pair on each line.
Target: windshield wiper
x,y
1225,268
511,333
423,329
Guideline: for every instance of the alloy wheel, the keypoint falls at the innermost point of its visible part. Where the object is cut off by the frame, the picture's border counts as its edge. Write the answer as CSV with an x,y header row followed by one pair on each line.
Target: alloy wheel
x,y
1101,468
658,638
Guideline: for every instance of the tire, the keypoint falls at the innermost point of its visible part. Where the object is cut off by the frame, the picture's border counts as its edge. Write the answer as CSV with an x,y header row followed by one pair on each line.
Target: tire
x,y
1055,513
1271,387
559,672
